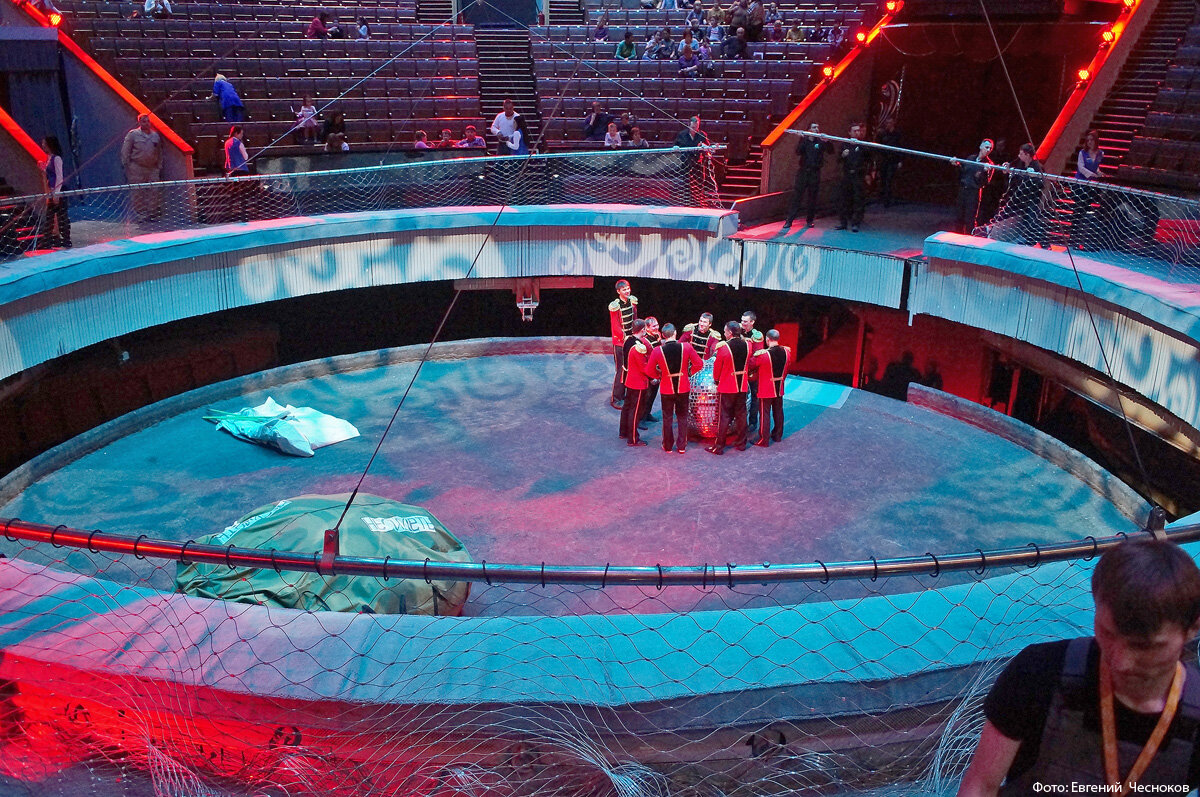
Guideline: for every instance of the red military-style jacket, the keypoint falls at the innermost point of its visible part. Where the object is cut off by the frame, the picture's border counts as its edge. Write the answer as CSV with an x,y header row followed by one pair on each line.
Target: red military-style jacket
x,y
692,337
770,367
731,369
635,366
673,363
621,318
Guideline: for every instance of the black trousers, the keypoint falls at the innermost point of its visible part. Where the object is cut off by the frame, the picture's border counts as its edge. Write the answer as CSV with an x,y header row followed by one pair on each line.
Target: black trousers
x,y
968,208
733,408
854,199
808,184
56,217
887,178
648,400
674,408
631,413
772,410
618,393
752,411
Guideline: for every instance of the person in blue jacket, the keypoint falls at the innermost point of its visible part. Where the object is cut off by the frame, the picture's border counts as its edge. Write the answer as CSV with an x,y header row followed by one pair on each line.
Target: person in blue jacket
x,y
232,109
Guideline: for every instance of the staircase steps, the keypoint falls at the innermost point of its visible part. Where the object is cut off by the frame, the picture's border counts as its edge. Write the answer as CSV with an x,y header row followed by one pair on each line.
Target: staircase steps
x,y
506,72
565,12
435,12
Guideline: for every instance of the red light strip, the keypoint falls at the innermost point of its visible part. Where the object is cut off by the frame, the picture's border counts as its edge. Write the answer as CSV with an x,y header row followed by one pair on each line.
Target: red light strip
x,y
22,138
102,73
782,128
1071,106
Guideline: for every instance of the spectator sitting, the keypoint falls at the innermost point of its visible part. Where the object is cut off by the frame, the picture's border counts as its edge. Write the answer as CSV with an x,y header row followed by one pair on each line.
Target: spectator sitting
x,y
336,142
335,124
704,53
306,122
626,50
668,51
688,40
159,9
320,28
600,34
422,141
471,140
653,47
232,109
689,63
636,141
596,123
612,138
794,34
735,46
772,15
446,141
778,34
716,31
697,15
625,125
364,32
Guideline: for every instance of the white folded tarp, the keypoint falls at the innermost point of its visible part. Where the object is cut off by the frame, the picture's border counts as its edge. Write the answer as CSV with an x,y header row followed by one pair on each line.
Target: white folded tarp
x,y
293,430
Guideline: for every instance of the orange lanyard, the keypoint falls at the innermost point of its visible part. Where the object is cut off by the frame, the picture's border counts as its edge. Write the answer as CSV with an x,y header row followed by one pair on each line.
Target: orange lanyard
x,y
1109,725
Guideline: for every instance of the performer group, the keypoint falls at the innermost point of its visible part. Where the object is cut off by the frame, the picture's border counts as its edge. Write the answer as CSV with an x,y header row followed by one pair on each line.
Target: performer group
x,y
748,368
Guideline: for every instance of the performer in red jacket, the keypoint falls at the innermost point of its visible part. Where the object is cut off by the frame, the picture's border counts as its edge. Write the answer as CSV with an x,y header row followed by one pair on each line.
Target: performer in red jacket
x,y
731,372
672,363
621,313
770,367
636,382
702,337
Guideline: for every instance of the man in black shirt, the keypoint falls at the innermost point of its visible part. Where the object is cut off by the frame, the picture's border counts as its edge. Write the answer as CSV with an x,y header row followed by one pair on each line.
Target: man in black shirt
x,y
811,153
972,177
1115,709
854,180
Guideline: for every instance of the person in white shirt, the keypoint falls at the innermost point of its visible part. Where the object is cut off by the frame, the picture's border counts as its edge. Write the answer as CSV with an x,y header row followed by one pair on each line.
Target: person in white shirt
x,y
159,9
612,138
504,125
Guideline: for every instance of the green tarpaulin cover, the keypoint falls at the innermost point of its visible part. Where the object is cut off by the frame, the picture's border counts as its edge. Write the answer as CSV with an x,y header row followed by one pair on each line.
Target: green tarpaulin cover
x,y
373,528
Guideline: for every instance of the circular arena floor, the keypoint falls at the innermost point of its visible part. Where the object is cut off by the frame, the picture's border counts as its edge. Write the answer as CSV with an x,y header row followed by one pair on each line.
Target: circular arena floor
x,y
518,455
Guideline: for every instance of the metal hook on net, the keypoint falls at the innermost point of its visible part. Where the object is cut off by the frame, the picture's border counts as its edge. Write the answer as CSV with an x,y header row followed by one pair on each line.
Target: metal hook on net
x,y
275,565
937,566
825,569
704,577
91,534
385,564
729,569
1037,560
136,542
543,575
55,531
875,574
182,550
425,571
8,536
228,563
486,578
604,578
660,576
1095,548
979,571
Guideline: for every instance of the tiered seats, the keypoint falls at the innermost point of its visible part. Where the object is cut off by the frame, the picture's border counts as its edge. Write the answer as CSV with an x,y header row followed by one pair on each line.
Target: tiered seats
x,y
739,101
1166,154
407,76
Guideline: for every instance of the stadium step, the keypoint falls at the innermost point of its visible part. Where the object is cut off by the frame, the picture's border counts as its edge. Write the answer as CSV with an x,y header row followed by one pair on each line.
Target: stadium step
x,y
565,12
1122,115
506,72
436,12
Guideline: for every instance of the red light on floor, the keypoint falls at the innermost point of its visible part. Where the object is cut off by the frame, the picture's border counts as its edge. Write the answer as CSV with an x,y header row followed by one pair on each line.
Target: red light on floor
x,y
55,18
861,36
1083,75
827,71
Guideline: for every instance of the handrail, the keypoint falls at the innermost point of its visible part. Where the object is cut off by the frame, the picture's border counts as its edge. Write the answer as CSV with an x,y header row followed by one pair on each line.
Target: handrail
x,y
703,575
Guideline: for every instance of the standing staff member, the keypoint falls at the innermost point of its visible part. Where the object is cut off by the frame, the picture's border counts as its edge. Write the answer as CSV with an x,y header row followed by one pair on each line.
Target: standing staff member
x,y
755,339
56,203
854,180
732,374
622,312
1119,708
972,177
702,337
637,352
770,367
673,363
811,152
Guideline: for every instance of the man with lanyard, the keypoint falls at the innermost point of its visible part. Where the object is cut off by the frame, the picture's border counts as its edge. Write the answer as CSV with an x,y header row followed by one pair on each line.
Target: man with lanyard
x,y
672,363
755,339
770,367
972,177
637,351
622,312
1117,709
702,337
731,372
